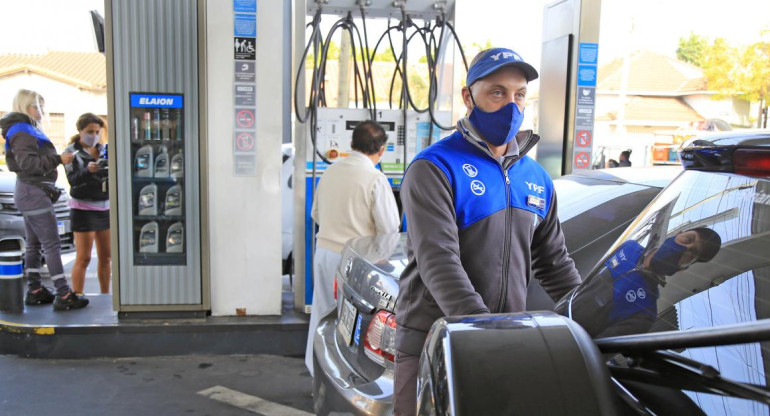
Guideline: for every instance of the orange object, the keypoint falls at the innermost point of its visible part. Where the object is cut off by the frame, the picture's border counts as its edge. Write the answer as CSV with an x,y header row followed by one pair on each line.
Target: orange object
x,y
660,152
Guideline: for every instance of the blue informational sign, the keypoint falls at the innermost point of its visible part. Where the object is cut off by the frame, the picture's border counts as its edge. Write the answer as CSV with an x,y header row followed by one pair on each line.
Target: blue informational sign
x,y
245,25
157,100
589,53
586,75
245,6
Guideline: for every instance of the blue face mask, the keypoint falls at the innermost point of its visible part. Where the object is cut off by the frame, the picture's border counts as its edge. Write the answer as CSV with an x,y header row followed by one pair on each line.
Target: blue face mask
x,y
665,261
498,127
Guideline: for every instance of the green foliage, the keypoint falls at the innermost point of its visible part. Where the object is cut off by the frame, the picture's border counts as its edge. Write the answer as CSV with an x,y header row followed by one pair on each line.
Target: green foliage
x,y
719,63
384,55
692,49
742,72
731,71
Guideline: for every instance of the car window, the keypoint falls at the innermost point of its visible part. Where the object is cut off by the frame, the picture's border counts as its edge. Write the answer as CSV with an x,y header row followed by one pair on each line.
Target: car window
x,y
697,257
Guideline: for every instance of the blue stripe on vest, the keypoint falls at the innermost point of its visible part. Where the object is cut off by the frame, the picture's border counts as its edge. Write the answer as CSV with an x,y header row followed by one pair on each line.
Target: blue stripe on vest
x,y
26,128
478,183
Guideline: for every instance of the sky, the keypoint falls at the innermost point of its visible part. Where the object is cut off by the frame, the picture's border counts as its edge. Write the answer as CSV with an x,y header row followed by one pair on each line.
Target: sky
x,y
517,24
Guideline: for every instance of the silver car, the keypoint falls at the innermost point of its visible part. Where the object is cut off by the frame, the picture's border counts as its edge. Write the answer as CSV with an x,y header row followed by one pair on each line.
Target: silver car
x,y
354,346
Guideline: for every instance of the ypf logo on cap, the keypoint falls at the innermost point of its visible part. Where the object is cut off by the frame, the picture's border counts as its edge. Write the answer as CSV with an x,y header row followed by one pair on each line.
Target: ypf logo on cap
x,y
493,59
505,55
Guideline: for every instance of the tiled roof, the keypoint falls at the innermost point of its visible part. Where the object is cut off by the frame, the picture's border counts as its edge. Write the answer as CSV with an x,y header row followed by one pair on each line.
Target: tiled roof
x,y
83,69
652,73
658,109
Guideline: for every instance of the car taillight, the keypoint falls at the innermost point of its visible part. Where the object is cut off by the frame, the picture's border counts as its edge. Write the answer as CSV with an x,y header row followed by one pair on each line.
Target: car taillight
x,y
335,287
752,162
380,340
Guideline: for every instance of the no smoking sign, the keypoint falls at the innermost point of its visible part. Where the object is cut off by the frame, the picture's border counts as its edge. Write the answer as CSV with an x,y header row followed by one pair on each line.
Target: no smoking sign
x,y
244,118
245,142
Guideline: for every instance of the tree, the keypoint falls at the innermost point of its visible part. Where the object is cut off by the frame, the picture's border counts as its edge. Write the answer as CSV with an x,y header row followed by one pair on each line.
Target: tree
x,y
730,71
719,63
692,49
754,77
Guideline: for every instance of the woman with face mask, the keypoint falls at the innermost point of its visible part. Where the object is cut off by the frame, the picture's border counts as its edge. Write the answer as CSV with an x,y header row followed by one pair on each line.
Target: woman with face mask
x,y
30,154
90,205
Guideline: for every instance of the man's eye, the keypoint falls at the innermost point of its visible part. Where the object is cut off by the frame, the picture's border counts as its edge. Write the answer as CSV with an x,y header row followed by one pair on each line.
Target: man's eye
x,y
497,93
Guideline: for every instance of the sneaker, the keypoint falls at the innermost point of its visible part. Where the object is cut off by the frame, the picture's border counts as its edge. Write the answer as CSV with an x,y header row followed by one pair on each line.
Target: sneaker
x,y
38,297
69,301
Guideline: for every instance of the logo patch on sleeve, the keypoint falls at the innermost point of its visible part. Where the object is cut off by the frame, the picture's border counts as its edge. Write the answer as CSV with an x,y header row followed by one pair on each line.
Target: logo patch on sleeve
x,y
536,202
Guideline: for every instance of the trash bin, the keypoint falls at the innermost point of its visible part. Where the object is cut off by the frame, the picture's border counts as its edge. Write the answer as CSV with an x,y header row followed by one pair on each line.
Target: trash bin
x,y
11,284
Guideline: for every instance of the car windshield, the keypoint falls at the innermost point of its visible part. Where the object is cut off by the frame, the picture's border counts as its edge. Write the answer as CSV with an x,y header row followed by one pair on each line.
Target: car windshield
x,y
697,257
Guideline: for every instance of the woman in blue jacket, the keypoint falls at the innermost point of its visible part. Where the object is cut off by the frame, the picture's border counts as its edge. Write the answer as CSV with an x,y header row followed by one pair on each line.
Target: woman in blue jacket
x,y
33,157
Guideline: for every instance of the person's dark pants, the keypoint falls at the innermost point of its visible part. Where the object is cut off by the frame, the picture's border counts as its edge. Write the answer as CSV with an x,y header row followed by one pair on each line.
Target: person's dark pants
x,y
405,384
42,233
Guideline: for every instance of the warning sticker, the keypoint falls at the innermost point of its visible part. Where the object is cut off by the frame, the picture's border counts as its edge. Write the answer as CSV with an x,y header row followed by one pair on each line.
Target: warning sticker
x,y
245,142
244,118
582,160
245,95
583,138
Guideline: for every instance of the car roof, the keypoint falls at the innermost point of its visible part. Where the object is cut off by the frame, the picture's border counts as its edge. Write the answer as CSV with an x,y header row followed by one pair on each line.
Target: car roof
x,y
732,138
656,176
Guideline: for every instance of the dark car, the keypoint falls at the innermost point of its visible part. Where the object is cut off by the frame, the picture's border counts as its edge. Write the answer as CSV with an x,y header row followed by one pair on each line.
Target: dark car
x,y
12,222
673,320
354,353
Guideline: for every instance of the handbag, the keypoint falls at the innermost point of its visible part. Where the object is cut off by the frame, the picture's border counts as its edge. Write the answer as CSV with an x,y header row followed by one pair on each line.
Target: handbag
x,y
53,192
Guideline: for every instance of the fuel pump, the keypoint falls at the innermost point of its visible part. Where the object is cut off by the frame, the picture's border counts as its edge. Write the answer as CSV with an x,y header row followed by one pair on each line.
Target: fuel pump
x,y
323,134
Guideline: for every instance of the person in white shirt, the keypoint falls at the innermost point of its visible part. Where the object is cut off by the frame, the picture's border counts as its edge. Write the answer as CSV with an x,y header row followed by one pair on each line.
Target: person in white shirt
x,y
352,199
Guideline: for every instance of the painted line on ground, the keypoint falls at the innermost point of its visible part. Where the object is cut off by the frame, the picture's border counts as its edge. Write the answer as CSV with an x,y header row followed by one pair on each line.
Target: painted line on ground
x,y
250,403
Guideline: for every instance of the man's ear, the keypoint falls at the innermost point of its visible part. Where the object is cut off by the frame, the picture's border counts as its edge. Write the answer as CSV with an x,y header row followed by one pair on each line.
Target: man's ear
x,y
466,93
382,151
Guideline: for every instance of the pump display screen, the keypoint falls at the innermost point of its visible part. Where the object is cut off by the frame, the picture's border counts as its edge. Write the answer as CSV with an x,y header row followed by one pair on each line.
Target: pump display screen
x,y
158,138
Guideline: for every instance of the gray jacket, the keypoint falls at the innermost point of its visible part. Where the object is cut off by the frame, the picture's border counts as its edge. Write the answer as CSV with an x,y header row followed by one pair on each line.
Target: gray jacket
x,y
478,230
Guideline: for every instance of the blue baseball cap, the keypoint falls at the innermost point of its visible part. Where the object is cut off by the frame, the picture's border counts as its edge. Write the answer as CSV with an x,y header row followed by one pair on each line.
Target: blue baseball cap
x,y
493,59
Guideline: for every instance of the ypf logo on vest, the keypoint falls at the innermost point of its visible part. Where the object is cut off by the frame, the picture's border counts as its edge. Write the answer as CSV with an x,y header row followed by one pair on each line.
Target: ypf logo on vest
x,y
534,200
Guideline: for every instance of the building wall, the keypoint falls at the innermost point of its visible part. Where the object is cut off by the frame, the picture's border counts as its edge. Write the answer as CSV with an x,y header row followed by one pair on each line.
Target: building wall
x,y
60,98
732,110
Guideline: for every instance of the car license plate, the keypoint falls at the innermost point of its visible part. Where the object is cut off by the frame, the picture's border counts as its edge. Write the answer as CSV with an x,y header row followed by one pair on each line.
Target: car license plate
x,y
60,225
347,319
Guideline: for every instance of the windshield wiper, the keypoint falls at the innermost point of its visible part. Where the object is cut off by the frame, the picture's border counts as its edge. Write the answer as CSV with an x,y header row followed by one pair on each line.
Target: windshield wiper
x,y
668,369
742,333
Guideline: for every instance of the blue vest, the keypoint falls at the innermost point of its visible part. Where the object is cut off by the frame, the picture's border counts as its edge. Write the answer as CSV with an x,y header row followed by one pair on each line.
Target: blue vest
x,y
478,181
33,131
